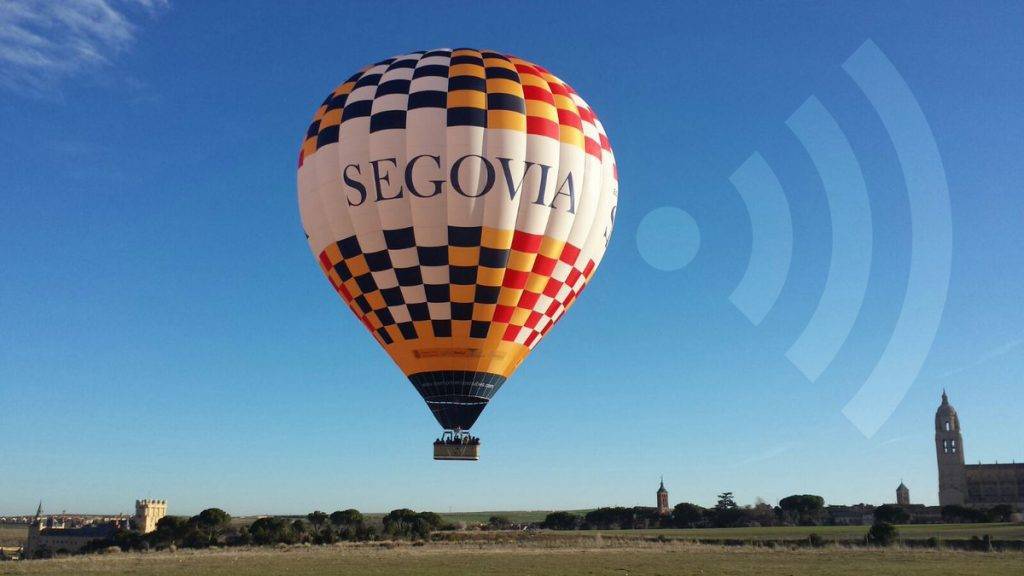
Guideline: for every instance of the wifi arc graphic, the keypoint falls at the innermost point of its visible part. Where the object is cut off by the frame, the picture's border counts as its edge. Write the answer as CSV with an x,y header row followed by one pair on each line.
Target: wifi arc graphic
x,y
852,238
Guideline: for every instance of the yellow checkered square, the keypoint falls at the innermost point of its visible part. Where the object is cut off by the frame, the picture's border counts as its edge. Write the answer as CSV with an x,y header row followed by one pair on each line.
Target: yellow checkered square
x,y
462,292
489,276
463,255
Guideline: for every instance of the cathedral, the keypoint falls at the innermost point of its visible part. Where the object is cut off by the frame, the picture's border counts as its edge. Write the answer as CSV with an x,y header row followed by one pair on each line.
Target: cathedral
x,y
973,485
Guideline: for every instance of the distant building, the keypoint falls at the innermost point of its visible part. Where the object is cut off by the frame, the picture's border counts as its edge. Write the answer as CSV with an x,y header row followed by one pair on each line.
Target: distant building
x,y
856,515
663,508
148,513
974,485
53,534
903,495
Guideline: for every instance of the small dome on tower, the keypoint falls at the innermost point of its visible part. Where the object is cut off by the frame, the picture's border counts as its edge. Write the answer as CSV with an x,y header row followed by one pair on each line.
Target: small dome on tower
x,y
945,416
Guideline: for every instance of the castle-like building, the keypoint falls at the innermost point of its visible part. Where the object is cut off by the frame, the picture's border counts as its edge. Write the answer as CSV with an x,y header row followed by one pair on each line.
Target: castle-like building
x,y
55,535
973,485
148,513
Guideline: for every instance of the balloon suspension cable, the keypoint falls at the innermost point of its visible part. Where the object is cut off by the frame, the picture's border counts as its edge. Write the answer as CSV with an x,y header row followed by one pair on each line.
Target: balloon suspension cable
x,y
457,445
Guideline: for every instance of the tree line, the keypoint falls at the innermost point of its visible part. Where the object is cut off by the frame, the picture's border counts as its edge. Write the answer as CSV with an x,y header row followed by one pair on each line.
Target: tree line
x,y
214,527
795,510
951,514
726,513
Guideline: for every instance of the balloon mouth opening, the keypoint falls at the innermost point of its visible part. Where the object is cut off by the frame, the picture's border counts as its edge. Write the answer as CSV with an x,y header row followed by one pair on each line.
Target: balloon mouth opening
x,y
456,398
456,412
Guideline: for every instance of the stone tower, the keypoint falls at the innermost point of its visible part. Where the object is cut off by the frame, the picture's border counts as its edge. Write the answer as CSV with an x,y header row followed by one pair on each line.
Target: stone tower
x,y
903,494
663,508
949,451
148,513
34,533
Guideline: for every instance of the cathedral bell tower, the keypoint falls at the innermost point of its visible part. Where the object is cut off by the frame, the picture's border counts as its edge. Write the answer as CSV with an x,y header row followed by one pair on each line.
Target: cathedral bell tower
x,y
949,451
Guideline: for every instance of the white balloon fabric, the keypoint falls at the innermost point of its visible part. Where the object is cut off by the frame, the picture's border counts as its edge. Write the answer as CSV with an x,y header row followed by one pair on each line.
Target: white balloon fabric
x,y
458,201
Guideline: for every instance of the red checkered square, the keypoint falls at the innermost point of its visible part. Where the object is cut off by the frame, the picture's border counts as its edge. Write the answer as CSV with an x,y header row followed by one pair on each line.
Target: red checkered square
x,y
503,313
515,279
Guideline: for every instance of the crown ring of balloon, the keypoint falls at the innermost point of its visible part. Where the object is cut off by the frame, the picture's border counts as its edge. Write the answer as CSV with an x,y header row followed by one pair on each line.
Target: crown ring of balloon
x,y
459,201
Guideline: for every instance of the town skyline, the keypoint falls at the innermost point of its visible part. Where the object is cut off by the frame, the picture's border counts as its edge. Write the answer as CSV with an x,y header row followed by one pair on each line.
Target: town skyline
x,y
947,426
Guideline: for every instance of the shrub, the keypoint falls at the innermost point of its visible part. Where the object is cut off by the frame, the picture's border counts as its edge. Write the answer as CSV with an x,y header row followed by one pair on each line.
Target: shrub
x,y
882,534
815,540
498,523
983,544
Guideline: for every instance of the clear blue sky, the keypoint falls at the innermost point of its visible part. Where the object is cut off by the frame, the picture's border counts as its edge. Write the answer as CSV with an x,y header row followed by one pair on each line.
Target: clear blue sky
x,y
164,331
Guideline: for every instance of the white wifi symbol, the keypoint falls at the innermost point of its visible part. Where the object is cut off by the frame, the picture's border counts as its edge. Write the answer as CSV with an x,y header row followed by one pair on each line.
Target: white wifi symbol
x,y
850,266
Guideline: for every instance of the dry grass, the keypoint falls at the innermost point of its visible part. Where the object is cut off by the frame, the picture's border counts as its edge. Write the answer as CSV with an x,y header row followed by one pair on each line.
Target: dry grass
x,y
998,531
13,534
564,557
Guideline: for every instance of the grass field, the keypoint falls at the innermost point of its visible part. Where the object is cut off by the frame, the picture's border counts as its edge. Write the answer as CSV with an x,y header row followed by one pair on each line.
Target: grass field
x,y
842,533
595,558
13,534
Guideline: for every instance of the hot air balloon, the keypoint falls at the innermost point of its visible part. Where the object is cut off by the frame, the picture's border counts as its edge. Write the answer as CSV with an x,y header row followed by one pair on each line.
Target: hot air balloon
x,y
459,201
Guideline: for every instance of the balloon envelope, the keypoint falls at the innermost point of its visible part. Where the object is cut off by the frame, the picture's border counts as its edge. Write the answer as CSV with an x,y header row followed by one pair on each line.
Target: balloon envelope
x,y
458,201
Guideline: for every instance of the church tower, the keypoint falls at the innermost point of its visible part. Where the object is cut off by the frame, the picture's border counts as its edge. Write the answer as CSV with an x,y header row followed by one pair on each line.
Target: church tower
x,y
902,494
663,508
949,451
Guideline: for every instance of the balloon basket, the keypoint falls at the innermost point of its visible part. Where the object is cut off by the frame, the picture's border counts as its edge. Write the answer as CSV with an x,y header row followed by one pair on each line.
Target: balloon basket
x,y
456,445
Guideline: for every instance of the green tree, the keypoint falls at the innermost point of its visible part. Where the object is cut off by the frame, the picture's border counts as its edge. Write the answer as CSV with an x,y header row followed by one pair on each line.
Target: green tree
x,y
725,501
170,530
891,514
350,518
648,517
299,530
561,521
433,520
726,513
399,522
803,509
317,519
271,530
609,518
210,524
686,515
